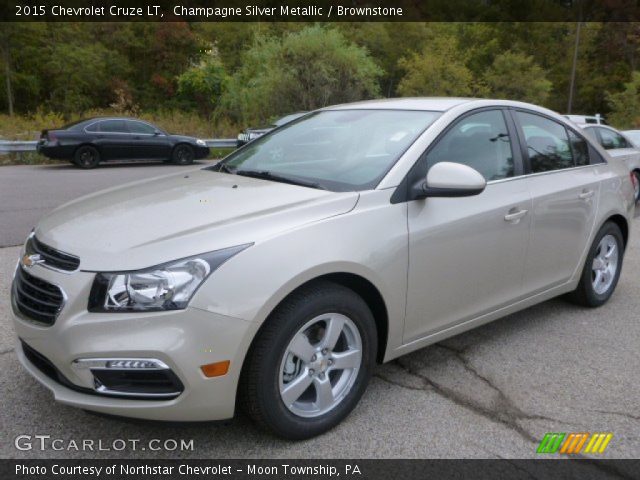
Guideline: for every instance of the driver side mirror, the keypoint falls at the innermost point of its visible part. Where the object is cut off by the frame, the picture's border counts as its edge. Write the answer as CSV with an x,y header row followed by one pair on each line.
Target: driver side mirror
x,y
157,132
448,179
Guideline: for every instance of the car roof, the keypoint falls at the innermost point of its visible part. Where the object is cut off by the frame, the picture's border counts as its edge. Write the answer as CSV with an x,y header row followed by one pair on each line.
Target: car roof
x,y
438,104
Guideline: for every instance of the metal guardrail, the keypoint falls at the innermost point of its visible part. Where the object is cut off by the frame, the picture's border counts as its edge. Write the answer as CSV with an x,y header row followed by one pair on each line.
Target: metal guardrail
x,y
17,146
30,146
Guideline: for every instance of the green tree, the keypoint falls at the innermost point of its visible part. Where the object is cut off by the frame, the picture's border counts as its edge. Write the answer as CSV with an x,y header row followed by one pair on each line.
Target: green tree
x,y
438,70
625,105
515,76
203,84
304,70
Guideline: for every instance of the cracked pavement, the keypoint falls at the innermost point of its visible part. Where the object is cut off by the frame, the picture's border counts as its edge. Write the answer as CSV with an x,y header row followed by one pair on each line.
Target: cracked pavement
x,y
492,392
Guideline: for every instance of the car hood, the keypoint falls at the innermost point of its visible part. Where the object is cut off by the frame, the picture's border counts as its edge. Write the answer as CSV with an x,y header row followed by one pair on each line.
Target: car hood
x,y
153,221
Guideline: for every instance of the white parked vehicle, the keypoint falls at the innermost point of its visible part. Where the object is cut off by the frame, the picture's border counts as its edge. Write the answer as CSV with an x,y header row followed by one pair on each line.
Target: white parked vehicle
x,y
618,145
633,136
281,275
596,119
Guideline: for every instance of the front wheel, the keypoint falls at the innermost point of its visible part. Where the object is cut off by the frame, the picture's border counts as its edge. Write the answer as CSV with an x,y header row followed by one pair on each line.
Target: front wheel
x,y
311,362
602,268
183,155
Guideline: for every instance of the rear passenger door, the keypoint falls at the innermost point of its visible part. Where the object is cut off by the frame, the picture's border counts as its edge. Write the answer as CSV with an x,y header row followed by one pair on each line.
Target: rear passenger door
x,y
564,188
112,138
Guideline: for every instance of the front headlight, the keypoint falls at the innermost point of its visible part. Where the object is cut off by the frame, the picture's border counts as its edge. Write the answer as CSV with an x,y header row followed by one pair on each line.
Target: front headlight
x,y
169,286
200,142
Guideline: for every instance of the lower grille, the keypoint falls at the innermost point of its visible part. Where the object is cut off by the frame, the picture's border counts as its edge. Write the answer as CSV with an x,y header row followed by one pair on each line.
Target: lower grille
x,y
43,364
37,299
154,385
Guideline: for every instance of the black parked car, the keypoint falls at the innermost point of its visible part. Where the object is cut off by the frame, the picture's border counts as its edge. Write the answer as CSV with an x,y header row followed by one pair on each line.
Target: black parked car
x,y
88,142
249,134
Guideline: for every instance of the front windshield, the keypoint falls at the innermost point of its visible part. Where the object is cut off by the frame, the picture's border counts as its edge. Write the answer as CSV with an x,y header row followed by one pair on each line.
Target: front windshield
x,y
339,150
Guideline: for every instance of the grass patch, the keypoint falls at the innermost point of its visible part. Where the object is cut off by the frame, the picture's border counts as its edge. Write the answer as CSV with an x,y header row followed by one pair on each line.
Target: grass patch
x,y
27,158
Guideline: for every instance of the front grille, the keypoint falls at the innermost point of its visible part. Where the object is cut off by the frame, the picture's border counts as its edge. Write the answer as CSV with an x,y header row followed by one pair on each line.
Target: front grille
x,y
52,257
37,299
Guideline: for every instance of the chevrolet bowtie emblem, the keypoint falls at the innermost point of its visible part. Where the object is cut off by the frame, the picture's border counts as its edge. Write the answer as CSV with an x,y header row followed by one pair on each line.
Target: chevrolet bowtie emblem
x,y
31,260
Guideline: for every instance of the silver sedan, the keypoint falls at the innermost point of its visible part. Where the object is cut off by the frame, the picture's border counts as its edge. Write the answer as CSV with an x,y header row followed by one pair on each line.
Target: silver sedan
x,y
276,279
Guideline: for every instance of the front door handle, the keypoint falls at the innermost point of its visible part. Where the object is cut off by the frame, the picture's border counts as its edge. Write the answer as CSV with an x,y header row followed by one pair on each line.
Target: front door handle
x,y
515,215
586,194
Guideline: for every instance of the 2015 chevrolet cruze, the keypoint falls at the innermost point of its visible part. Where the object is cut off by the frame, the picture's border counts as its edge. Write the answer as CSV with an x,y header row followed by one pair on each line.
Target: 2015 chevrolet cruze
x,y
278,277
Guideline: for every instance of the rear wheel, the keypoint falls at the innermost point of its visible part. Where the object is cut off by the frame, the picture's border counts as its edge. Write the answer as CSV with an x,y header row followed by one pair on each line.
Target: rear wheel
x,y
310,363
86,156
183,155
602,268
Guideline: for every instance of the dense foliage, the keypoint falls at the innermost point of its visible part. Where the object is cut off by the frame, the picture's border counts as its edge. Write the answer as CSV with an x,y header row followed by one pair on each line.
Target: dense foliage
x,y
235,74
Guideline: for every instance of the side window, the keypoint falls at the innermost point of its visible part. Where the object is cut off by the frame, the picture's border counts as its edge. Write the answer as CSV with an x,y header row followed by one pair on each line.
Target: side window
x,y
547,142
611,139
480,141
579,149
113,126
141,128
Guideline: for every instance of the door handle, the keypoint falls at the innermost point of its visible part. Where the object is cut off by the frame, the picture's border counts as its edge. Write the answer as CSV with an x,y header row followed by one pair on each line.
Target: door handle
x,y
514,216
586,194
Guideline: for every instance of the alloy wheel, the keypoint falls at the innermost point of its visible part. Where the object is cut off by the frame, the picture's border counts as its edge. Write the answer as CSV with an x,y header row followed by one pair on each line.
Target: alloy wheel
x,y
605,264
320,365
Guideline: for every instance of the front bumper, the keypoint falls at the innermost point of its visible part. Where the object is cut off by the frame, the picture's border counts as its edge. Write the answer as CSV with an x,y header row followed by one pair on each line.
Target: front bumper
x,y
202,152
182,339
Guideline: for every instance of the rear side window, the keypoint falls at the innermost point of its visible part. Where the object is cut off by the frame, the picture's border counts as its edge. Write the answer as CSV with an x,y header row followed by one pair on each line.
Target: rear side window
x,y
112,126
611,140
141,128
547,143
481,141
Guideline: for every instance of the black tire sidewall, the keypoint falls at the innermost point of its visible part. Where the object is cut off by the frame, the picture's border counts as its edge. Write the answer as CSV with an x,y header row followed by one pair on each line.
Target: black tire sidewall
x,y
277,416
593,298
78,153
177,160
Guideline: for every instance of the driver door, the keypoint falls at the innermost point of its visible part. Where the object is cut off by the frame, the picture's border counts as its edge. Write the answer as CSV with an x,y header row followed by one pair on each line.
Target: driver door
x,y
466,255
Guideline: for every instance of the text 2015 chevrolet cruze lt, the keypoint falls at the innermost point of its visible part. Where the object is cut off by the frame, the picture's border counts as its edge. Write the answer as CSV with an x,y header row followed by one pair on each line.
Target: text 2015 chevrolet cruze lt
x,y
279,277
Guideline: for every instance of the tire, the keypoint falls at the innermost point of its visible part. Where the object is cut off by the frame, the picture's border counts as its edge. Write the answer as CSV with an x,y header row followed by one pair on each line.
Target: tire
x,y
183,154
270,367
636,173
605,256
86,157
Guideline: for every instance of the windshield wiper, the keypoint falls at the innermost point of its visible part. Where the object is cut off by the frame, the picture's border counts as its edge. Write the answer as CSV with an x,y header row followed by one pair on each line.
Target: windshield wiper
x,y
267,175
222,167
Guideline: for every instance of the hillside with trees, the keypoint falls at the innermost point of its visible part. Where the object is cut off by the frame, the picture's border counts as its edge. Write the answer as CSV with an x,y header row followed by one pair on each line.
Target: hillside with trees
x,y
213,78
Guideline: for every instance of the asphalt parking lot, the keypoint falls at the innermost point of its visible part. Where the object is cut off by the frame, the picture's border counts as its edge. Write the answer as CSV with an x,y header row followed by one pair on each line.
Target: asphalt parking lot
x,y
27,192
492,392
